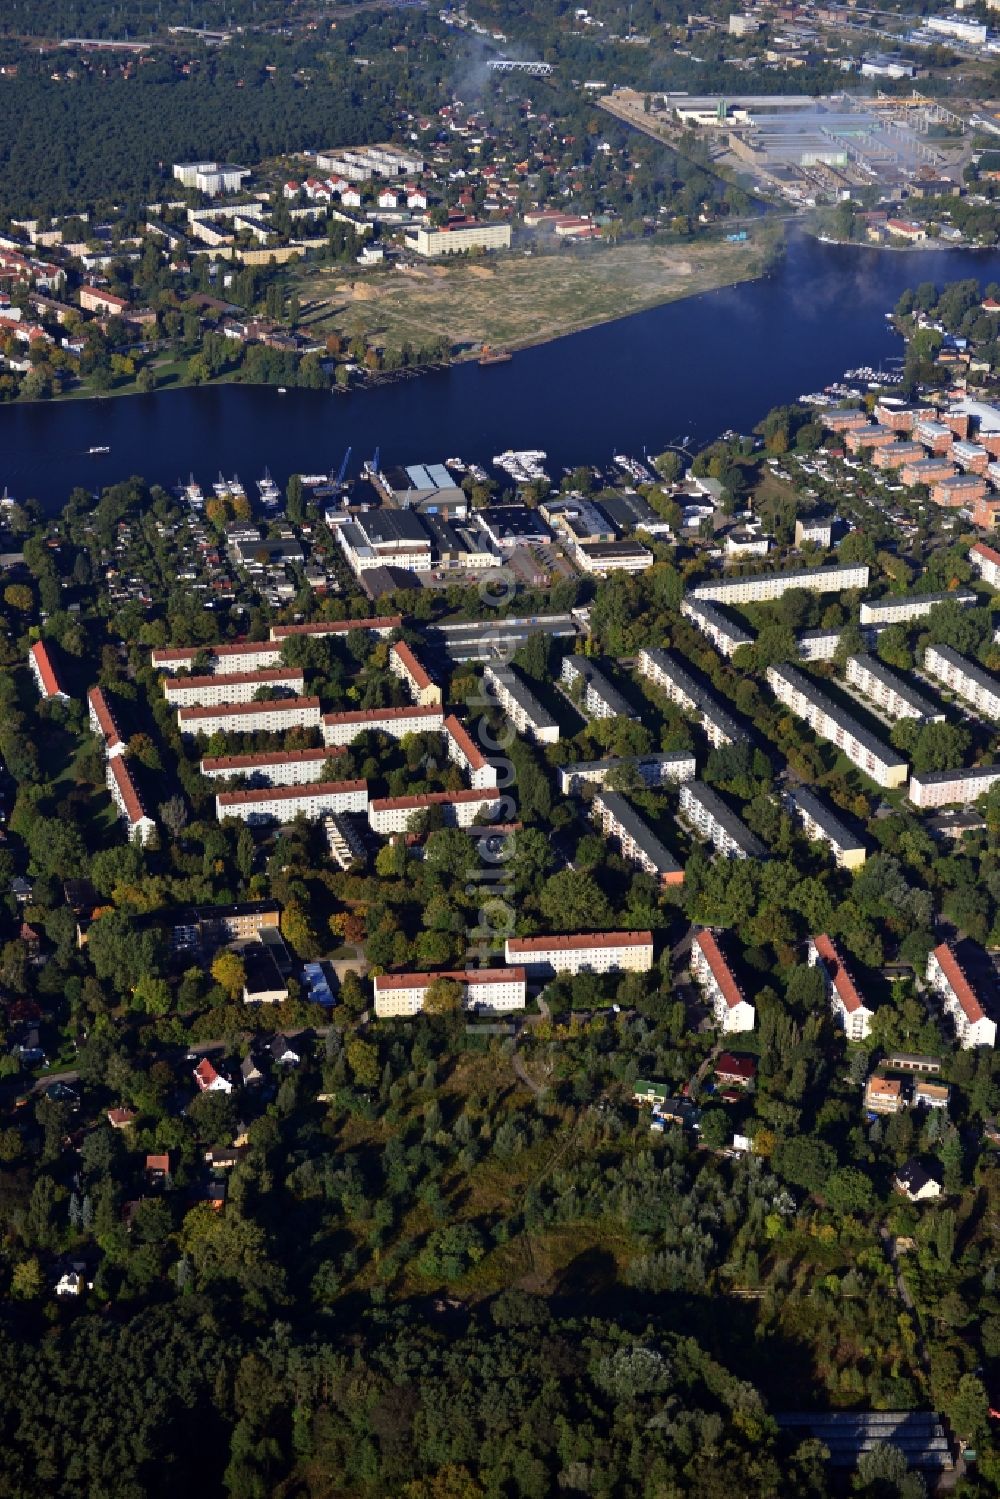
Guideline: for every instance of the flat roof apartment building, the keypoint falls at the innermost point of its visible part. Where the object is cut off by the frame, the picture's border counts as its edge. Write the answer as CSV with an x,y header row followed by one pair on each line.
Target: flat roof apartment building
x,y
725,635
730,1008
901,608
458,238
520,703
598,697
766,586
266,804
244,718
590,952
973,1027
242,655
821,825
704,809
889,691
665,671
652,770
950,788
462,809
986,561
344,728
849,1010
234,687
490,991
403,663
466,754
278,768
829,721
635,839
967,680
897,455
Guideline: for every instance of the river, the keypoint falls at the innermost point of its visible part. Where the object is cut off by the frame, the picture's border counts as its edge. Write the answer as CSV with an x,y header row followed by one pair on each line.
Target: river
x,y
685,370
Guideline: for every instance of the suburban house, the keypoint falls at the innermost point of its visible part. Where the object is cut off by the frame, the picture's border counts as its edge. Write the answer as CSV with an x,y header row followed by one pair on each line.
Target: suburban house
x,y
915,1183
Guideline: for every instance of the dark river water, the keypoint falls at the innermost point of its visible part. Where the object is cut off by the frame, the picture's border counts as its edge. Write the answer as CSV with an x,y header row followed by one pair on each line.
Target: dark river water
x,y
687,370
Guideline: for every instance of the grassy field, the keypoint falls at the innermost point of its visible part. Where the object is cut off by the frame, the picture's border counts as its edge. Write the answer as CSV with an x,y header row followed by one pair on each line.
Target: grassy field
x,y
518,300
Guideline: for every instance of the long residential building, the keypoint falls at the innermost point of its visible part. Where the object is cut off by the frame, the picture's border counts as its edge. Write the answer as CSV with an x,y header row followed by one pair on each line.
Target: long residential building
x,y
403,663
725,635
730,1007
103,722
889,690
520,703
272,717
383,624
651,770
463,809
973,1026
275,768
284,803
897,609
635,839
849,1010
344,728
763,587
986,561
242,655
589,952
965,678
488,991
466,754
711,818
44,671
666,671
234,687
827,719
128,799
823,826
952,788
599,698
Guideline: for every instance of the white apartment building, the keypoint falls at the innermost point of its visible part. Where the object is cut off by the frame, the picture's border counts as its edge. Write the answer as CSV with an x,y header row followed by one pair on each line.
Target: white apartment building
x,y
488,991
725,635
822,826
462,809
951,788
730,1008
381,625
246,718
889,691
280,768
967,680
599,698
849,1010
899,609
590,952
986,561
285,803
652,770
708,814
344,728
827,719
466,754
666,672
103,722
234,687
520,704
404,664
619,821
458,238
43,670
766,586
244,655
210,177
815,528
126,797
973,1027
818,645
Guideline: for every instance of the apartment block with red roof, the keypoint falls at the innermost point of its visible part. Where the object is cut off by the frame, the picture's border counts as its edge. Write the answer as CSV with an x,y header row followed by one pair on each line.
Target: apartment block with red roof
x,y
729,1005
103,722
466,754
274,716
344,728
232,687
237,656
382,624
850,1012
589,952
285,803
128,799
462,809
986,561
404,663
490,991
274,768
44,671
946,976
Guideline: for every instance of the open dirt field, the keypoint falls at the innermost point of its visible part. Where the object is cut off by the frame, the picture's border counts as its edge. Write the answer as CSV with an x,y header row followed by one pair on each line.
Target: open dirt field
x,y
515,301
